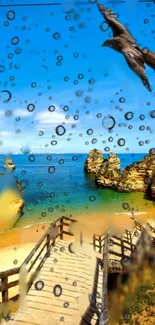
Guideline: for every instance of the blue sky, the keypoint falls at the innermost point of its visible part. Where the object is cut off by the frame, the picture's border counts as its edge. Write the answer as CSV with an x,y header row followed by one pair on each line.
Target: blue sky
x,y
102,74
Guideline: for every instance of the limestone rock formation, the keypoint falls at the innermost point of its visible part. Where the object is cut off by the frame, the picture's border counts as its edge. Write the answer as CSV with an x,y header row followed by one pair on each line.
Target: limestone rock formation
x,y
152,194
109,172
139,176
9,164
93,161
11,206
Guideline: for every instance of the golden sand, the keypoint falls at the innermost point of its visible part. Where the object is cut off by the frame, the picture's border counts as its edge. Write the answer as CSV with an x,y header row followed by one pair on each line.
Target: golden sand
x,y
17,243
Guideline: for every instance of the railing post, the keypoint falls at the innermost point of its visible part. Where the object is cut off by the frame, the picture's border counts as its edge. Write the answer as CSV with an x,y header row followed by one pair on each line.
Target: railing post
x,y
104,317
5,291
100,245
48,245
61,228
94,242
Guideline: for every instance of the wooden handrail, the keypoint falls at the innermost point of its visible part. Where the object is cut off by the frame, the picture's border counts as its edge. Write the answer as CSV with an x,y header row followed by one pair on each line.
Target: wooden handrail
x,y
49,241
9,272
104,317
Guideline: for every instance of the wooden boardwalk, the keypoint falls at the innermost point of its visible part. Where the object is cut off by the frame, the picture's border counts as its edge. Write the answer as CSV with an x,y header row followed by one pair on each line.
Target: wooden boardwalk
x,y
66,277
67,284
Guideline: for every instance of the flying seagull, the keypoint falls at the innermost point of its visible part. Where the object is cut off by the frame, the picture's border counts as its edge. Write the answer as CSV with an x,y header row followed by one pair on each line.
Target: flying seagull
x,y
124,43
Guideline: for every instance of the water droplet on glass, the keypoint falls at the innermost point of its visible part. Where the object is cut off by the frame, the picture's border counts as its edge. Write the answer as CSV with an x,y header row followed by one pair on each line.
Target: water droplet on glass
x,y
108,122
57,290
56,36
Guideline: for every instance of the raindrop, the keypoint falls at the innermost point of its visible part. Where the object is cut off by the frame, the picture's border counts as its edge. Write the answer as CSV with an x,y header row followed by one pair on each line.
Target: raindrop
x,y
107,149
129,115
40,133
61,161
11,15
121,142
51,108
142,128
33,84
121,99
81,25
49,158
6,23
60,130
30,107
2,68
79,93
8,113
94,140
15,40
66,304
87,99
53,142
59,57
91,81
80,76
25,150
56,36
52,194
152,114
90,131
66,108
51,169
76,54
141,143
39,285
152,151
92,198
62,319
104,26
74,158
57,290
15,262
18,50
142,117
125,206
31,158
108,122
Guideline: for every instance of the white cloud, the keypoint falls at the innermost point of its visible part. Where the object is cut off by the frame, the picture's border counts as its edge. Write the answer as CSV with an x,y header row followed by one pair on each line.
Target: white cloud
x,y
21,112
48,118
5,134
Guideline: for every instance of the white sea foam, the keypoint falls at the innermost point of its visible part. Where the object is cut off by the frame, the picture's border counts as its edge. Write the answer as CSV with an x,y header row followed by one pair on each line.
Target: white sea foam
x,y
130,213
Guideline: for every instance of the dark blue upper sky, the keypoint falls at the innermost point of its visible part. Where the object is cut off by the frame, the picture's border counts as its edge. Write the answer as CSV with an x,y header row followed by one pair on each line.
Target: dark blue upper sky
x,y
52,57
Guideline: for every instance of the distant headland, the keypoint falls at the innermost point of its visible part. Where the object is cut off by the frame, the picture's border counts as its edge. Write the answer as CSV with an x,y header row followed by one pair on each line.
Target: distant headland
x,y
139,176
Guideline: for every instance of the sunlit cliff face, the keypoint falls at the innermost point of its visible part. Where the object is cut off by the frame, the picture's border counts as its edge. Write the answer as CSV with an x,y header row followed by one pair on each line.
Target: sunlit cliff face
x,y
10,207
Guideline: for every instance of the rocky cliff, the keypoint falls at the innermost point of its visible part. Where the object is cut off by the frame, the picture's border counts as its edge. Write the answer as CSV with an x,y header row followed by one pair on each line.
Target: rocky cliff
x,y
109,172
93,161
139,176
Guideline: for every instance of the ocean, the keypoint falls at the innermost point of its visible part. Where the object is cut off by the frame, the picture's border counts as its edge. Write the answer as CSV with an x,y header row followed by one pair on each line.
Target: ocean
x,y
56,185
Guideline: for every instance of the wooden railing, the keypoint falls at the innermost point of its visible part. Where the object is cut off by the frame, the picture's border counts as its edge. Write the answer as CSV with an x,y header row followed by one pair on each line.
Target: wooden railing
x,y
43,246
104,316
124,244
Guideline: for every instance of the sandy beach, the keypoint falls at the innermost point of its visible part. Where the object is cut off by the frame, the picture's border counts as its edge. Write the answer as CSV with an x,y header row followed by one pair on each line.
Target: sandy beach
x,y
16,244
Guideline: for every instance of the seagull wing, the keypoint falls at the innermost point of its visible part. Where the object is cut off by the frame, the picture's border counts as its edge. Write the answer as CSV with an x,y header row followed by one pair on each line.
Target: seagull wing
x,y
111,20
135,61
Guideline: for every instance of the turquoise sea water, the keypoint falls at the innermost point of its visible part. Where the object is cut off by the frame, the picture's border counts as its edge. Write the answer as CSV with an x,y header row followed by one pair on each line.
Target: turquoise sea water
x,y
56,184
